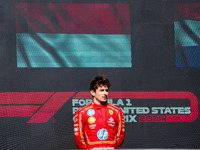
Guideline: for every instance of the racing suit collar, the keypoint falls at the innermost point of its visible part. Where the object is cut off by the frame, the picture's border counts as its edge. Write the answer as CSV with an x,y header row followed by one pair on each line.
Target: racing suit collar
x,y
99,106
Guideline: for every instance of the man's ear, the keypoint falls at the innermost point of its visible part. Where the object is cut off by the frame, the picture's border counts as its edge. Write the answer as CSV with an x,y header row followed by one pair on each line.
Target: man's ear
x,y
92,92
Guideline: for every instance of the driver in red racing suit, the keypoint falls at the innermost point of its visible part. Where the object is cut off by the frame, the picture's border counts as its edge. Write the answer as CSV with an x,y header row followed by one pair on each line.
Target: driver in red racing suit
x,y
99,125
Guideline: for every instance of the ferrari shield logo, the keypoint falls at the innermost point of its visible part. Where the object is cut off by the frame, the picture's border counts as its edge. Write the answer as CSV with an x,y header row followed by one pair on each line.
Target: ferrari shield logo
x,y
110,112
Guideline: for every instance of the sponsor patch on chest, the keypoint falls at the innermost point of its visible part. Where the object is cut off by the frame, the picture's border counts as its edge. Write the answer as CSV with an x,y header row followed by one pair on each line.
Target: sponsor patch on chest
x,y
102,134
92,126
91,120
111,122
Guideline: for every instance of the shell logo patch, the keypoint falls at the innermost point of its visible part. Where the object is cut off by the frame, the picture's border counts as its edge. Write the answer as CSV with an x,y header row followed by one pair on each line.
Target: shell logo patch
x,y
91,119
110,112
90,112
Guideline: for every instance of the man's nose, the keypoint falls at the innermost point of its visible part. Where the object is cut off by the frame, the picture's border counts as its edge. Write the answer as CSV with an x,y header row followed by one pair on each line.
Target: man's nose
x,y
106,92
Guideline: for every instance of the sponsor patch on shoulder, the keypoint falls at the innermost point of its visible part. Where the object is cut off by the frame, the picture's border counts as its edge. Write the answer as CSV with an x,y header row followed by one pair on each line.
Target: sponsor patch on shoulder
x,y
90,112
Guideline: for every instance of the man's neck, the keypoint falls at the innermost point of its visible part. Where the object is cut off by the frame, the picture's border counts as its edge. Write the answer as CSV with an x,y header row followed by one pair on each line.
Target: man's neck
x,y
99,103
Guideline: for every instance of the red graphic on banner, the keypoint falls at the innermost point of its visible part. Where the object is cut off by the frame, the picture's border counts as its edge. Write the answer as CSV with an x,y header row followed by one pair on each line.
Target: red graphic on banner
x,y
51,107
44,104
17,111
24,98
41,106
152,118
157,95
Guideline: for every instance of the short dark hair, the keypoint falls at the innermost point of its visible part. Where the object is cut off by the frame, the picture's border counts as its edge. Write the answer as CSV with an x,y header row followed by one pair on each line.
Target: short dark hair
x,y
99,80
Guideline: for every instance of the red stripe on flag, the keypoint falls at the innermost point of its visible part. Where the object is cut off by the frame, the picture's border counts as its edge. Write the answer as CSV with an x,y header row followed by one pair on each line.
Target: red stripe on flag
x,y
17,111
187,11
73,18
24,98
51,107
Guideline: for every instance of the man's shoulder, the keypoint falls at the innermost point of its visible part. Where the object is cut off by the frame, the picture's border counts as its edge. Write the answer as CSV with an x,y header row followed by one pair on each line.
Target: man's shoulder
x,y
85,108
113,107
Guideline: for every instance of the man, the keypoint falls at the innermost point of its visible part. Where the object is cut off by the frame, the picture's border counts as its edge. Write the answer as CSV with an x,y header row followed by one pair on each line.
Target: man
x,y
99,125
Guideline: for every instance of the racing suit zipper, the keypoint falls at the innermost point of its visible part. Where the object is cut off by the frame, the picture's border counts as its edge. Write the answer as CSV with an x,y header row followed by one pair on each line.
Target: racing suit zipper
x,y
104,117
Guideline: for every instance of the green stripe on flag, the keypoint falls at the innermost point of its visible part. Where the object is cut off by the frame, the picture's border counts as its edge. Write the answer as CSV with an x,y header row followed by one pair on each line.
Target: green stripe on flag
x,y
186,32
73,50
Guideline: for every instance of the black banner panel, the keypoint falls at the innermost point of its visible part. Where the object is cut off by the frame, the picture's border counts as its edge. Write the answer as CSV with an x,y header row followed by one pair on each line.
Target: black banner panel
x,y
51,49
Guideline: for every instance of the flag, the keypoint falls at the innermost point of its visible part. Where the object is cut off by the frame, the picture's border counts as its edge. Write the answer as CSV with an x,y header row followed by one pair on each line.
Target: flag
x,y
187,34
72,35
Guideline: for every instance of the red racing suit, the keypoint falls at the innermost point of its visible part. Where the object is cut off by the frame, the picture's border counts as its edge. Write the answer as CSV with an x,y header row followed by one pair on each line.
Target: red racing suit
x,y
99,126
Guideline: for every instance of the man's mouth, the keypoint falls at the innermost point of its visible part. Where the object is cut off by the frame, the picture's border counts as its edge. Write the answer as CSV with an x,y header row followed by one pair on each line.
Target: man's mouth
x,y
104,97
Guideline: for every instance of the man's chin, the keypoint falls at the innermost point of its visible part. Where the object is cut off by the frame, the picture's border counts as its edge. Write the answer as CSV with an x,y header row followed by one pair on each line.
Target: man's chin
x,y
104,100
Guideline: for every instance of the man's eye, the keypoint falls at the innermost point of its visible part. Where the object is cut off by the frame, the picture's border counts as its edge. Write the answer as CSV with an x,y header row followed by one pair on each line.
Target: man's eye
x,y
103,90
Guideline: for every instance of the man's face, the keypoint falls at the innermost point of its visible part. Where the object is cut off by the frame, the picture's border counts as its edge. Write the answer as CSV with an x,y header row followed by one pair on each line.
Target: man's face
x,y
101,94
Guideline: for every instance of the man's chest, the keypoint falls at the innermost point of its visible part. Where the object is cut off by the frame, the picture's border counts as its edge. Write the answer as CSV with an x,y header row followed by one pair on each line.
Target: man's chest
x,y
100,118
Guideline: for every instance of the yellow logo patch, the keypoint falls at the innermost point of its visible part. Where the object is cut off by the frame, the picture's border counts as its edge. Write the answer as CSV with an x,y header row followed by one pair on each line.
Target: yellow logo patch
x,y
110,112
91,119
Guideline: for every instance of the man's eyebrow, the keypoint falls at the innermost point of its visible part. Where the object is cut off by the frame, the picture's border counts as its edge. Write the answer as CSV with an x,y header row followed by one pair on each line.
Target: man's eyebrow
x,y
103,89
